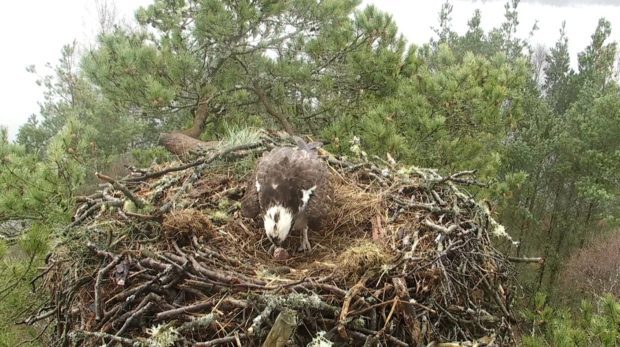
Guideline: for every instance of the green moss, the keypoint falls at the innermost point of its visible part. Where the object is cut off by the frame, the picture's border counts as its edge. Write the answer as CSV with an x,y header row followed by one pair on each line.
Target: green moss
x,y
224,203
129,206
219,217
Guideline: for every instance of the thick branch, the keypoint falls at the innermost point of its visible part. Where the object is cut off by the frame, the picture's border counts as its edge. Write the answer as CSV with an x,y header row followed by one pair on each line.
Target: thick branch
x,y
439,228
181,144
539,260
100,335
288,127
345,307
200,119
136,200
220,341
205,160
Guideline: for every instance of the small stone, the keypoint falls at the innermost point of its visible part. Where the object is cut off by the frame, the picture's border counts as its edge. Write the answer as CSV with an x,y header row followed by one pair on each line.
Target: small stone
x,y
280,254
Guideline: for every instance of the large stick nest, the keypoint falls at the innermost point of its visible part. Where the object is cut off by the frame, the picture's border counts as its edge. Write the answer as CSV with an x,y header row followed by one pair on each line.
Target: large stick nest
x,y
163,258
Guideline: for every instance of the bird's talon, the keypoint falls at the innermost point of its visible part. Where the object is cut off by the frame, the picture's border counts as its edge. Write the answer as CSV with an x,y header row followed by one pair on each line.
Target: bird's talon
x,y
271,249
305,246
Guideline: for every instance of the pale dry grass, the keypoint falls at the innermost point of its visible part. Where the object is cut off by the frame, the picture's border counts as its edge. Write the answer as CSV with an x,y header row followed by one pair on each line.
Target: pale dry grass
x,y
181,224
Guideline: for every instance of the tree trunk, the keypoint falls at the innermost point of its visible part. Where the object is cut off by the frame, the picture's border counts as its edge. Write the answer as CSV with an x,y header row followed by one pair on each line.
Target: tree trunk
x,y
262,97
182,144
186,141
526,227
551,227
561,238
586,225
526,223
200,119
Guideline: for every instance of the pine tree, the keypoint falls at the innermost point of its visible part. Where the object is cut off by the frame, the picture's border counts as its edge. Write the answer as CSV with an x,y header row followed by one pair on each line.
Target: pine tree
x,y
569,155
559,77
292,65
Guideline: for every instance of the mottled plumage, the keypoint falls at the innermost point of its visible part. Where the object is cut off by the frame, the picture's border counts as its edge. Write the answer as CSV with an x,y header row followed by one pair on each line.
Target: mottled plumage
x,y
290,190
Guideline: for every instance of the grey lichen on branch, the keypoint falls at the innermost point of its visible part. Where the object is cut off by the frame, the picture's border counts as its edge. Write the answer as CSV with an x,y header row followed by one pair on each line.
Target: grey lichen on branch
x,y
293,301
128,193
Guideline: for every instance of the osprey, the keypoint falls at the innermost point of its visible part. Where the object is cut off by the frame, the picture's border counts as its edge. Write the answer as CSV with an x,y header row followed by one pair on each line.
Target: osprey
x,y
290,188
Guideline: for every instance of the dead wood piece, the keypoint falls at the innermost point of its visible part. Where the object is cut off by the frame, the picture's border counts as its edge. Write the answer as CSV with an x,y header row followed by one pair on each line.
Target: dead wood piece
x,y
135,317
198,323
117,315
175,313
229,277
40,316
496,297
431,207
312,286
102,336
364,334
440,228
400,285
99,309
539,260
131,196
457,178
282,329
220,341
83,216
345,307
198,162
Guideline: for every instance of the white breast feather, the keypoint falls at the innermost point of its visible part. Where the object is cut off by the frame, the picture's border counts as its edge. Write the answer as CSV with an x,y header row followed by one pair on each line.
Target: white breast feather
x,y
280,229
305,196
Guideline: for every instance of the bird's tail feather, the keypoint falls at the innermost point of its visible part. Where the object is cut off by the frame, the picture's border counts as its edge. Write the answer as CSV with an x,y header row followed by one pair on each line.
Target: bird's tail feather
x,y
302,145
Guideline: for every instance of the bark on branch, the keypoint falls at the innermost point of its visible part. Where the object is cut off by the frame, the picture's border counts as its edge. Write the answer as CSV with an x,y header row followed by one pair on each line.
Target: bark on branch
x,y
538,260
262,96
282,329
200,119
181,144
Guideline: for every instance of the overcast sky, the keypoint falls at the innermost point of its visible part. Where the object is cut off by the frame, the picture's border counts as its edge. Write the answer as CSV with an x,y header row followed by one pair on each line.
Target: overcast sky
x,y
33,32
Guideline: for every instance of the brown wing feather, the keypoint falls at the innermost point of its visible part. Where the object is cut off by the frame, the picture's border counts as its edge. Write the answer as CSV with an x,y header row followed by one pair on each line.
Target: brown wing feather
x,y
320,202
311,171
250,206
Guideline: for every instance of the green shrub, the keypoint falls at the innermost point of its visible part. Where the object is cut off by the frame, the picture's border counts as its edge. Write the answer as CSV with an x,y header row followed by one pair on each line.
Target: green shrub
x,y
594,324
19,263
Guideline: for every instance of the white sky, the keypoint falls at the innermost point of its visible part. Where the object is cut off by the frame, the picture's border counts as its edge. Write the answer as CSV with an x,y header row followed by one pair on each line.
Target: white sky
x,y
33,32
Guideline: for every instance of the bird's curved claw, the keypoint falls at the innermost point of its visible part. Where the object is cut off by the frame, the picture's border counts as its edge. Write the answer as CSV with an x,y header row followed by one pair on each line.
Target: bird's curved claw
x,y
271,249
305,244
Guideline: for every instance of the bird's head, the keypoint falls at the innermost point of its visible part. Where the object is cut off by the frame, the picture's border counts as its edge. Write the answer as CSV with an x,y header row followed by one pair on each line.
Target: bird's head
x,y
278,221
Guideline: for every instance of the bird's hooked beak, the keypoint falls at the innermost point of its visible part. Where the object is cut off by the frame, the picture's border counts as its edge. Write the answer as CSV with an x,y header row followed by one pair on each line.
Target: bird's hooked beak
x,y
277,241
274,241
